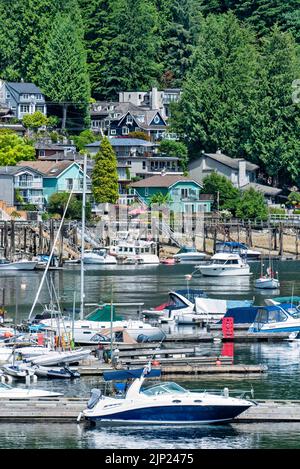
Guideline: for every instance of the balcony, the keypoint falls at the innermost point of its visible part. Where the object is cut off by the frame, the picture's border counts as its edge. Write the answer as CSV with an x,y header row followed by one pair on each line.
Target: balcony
x,y
29,184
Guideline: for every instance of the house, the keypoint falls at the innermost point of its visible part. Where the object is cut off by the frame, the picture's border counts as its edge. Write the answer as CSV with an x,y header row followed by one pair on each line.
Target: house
x,y
61,176
239,171
137,158
23,181
22,98
153,99
184,192
47,148
119,119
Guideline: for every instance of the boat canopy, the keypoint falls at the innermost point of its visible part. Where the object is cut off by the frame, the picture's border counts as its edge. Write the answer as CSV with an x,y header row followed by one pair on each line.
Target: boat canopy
x,y
122,375
186,249
103,313
245,315
231,244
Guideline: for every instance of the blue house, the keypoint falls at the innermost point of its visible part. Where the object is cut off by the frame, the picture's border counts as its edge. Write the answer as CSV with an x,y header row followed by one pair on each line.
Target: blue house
x,y
22,98
59,176
184,193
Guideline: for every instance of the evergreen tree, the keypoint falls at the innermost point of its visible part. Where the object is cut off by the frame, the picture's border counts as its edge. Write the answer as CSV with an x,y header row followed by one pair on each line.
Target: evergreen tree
x,y
275,123
105,175
130,48
213,110
63,75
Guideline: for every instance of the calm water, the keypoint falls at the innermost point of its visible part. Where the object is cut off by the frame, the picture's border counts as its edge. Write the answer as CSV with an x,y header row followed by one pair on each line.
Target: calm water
x,y
150,285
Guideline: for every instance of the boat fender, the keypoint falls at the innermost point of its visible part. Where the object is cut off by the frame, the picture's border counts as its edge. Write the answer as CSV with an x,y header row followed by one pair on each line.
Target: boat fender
x,y
218,362
95,397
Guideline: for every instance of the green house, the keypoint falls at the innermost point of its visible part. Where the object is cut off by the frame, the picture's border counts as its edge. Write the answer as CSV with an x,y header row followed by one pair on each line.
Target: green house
x,y
184,193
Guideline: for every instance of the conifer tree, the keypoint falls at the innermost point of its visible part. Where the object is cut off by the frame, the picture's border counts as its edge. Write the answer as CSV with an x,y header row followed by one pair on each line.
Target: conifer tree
x,y
105,175
63,75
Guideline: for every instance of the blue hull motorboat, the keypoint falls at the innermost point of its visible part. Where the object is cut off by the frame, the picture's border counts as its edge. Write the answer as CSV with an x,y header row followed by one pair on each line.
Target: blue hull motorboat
x,y
163,403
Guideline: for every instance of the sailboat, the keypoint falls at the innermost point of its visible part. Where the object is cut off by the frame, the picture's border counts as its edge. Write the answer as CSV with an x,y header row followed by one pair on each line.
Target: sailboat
x,y
268,281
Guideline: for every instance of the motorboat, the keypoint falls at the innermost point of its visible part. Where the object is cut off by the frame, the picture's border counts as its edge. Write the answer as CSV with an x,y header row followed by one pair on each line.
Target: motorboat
x,y
234,247
276,318
225,264
135,252
18,370
55,373
22,264
98,256
8,392
61,357
163,403
191,306
278,300
189,255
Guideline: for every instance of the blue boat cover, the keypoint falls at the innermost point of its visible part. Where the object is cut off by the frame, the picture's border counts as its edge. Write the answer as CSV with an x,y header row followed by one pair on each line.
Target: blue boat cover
x,y
244,315
127,374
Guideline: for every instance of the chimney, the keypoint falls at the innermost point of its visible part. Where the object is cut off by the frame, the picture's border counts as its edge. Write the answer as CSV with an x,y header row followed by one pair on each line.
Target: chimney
x,y
242,173
219,152
154,99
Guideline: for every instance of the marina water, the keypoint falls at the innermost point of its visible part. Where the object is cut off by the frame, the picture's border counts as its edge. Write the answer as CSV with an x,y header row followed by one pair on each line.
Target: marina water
x,y
150,285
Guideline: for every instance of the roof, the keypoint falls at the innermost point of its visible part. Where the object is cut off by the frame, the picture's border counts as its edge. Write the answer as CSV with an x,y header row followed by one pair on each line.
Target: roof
x,y
48,168
21,87
165,180
266,190
124,142
231,162
12,170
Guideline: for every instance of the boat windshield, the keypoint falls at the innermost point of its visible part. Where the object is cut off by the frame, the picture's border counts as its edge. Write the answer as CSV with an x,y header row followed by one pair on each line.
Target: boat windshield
x,y
4,386
166,388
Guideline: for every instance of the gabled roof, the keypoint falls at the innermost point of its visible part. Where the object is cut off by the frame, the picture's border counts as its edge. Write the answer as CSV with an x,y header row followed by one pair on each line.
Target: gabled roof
x,y
166,180
231,162
265,190
124,142
12,170
21,87
49,168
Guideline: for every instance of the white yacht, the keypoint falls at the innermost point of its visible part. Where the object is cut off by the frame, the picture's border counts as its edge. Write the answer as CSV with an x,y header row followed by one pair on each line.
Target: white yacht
x,y
99,256
137,252
22,264
225,264
189,255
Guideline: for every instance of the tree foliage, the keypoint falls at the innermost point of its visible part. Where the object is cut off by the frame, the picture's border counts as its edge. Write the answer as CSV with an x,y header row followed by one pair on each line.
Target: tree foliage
x,y
226,196
252,205
105,175
173,148
58,201
35,121
14,148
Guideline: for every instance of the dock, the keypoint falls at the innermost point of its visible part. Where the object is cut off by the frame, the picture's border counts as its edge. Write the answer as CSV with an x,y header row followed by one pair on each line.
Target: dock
x,y
67,409
239,336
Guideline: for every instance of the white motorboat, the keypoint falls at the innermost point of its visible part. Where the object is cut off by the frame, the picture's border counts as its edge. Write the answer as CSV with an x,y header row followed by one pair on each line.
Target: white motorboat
x,y
225,264
18,370
164,403
8,392
189,255
22,264
241,249
61,357
5,354
136,252
98,256
276,318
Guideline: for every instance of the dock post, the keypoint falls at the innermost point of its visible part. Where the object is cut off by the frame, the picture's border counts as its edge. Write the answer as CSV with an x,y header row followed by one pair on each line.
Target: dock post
x,y
280,239
12,240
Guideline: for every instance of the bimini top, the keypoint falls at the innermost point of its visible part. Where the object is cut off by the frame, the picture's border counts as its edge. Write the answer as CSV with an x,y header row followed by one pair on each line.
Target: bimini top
x,y
122,375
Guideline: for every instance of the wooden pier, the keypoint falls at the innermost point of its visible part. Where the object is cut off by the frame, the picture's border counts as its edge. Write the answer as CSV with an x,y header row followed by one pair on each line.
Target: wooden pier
x,y
67,409
239,336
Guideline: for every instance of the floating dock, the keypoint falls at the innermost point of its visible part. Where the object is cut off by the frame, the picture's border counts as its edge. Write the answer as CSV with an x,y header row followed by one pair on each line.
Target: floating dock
x,y
239,336
66,409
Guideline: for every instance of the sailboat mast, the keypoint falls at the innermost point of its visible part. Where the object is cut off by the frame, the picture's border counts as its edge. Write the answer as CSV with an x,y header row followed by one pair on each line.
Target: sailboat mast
x,y
82,239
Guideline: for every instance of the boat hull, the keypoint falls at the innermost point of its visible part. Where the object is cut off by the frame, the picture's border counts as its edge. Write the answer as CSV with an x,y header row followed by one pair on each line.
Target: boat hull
x,y
269,283
29,265
211,271
184,415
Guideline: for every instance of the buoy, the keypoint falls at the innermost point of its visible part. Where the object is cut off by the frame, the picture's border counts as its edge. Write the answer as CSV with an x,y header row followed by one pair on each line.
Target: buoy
x,y
218,362
155,363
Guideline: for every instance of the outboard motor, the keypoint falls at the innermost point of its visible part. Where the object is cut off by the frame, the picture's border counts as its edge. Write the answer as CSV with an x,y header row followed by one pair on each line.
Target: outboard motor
x,y
142,338
95,397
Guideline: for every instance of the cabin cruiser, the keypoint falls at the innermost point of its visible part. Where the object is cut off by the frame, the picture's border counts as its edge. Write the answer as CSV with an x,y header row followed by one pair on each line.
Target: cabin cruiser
x,y
21,264
224,264
98,256
283,318
135,252
189,255
191,306
237,248
163,403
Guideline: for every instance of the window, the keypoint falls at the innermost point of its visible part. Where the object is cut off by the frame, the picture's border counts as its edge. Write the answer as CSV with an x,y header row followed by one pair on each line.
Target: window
x,y
40,109
7,95
25,96
129,120
113,132
69,183
144,164
39,97
125,131
146,191
25,108
184,193
128,163
156,119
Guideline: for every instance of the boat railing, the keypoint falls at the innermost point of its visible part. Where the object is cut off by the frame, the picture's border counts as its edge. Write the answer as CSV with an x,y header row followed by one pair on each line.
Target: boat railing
x,y
240,393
